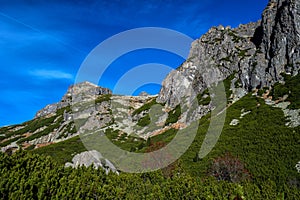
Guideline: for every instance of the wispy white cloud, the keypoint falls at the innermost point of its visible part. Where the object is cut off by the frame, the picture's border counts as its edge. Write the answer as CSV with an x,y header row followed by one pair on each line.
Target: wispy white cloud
x,y
50,74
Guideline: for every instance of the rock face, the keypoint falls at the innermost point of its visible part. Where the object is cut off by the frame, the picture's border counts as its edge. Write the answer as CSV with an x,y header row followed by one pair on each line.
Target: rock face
x,y
257,53
84,91
80,92
94,158
281,37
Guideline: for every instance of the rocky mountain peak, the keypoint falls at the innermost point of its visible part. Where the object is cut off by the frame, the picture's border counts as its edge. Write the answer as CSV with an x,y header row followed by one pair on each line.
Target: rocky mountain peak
x,y
144,94
84,91
80,92
255,54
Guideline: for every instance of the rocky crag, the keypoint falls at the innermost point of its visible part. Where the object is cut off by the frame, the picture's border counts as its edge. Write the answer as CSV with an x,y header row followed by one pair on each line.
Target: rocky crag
x,y
256,53
76,93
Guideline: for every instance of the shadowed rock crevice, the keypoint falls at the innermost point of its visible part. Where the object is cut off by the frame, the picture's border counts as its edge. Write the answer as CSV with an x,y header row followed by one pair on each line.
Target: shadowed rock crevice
x,y
258,36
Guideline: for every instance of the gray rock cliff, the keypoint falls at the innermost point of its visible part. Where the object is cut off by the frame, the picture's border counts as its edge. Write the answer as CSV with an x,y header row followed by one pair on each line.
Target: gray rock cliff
x,y
257,53
281,37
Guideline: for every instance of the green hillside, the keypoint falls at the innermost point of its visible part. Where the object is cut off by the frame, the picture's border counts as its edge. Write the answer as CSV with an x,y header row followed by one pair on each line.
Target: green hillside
x,y
266,147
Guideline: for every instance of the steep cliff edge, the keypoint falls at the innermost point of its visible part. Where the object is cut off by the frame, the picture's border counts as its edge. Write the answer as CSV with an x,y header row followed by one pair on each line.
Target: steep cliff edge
x,y
256,53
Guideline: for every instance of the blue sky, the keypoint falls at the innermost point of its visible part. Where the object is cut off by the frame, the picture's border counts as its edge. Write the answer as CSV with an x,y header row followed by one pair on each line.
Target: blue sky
x,y
43,43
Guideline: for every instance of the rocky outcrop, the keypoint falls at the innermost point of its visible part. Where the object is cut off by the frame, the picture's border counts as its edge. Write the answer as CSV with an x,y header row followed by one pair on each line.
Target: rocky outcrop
x,y
84,91
144,94
292,116
94,158
281,37
50,109
216,55
79,110
257,53
80,92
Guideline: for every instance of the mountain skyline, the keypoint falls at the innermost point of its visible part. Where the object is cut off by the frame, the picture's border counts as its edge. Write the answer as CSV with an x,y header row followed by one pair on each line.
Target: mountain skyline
x,y
224,125
42,46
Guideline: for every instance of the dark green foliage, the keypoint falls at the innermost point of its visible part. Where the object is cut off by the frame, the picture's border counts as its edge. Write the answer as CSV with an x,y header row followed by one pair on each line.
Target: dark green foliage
x,y
70,128
268,148
279,90
242,53
144,121
260,92
50,128
227,85
227,59
261,141
146,106
218,40
5,131
32,126
7,142
202,100
205,101
31,147
31,176
62,110
102,98
165,137
291,88
173,115
238,83
64,151
236,38
125,141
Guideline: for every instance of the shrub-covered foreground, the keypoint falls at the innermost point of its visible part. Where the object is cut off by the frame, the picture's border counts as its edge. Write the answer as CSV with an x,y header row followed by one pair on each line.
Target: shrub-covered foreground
x,y
31,176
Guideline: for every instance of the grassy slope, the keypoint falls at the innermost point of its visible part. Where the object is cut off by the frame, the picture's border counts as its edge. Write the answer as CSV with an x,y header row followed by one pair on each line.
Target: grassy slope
x,y
31,126
261,140
268,148
291,87
63,151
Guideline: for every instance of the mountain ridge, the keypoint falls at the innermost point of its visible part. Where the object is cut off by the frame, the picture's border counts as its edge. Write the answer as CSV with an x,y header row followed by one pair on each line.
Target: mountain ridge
x,y
257,52
249,59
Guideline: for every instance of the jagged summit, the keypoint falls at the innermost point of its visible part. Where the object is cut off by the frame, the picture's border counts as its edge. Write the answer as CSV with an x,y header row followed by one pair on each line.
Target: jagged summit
x,y
84,91
86,84
79,92
256,53
143,94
